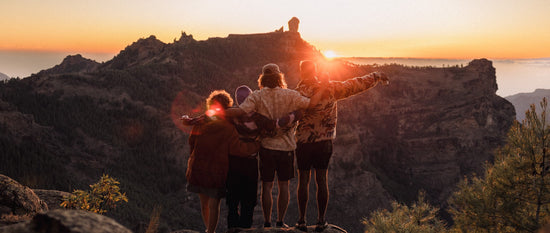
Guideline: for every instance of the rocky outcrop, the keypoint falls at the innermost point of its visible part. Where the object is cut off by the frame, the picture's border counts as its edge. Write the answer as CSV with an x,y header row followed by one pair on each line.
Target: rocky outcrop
x,y
53,198
330,229
17,202
72,64
67,221
425,131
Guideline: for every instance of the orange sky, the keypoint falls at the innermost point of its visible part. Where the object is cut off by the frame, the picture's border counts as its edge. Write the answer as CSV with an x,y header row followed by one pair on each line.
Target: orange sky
x,y
421,28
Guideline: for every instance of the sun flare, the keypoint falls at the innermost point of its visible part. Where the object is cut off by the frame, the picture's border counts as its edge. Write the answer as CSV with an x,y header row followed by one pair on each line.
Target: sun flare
x,y
330,54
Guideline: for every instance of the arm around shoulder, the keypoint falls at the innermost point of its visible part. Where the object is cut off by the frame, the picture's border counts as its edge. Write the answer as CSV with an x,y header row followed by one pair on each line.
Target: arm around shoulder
x,y
239,147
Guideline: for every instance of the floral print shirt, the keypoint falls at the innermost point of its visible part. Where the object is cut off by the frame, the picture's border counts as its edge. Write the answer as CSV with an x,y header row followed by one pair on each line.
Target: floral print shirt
x,y
319,122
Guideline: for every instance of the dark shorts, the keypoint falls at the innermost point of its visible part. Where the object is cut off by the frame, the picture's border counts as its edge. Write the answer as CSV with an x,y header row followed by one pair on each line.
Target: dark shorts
x,y
316,155
272,161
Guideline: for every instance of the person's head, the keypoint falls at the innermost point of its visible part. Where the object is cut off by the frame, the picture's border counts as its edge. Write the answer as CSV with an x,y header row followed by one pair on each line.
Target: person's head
x,y
308,69
218,100
271,77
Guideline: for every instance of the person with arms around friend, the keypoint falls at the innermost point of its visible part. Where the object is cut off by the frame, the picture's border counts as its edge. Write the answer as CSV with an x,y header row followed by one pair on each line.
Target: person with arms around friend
x,y
316,131
274,101
211,141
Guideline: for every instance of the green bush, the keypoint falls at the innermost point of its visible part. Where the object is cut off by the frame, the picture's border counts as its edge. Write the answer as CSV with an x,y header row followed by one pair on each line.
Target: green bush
x,y
418,218
102,196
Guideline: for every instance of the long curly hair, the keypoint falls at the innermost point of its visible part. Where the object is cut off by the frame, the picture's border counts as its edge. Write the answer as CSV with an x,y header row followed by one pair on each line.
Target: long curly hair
x,y
272,80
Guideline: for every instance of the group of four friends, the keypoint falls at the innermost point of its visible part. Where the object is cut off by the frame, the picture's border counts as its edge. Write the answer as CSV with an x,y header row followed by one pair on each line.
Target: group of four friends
x,y
278,125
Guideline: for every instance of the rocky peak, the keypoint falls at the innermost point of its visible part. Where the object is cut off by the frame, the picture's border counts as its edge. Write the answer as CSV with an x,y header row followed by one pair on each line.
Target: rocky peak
x,y
184,39
142,51
72,64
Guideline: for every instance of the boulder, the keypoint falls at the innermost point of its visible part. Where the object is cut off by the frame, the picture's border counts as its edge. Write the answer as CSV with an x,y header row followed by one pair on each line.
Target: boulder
x,y
17,202
67,221
53,198
330,229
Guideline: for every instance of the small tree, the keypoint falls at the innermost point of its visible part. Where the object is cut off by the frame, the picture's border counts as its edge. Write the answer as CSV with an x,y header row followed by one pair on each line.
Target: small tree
x,y
102,196
419,218
514,195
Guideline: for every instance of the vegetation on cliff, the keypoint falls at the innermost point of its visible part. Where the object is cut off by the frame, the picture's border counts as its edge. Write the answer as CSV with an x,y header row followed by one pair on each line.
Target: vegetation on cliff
x,y
513,195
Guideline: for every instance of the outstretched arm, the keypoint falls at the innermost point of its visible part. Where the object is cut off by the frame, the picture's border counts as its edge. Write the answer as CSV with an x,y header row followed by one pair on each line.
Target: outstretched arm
x,y
234,112
357,85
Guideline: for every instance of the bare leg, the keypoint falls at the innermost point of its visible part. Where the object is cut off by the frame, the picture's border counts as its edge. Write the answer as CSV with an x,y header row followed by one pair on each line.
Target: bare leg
x,y
303,193
322,192
214,213
204,209
282,200
267,200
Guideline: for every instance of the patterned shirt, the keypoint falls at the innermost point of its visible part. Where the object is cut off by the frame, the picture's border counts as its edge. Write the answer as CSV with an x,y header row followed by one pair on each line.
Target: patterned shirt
x,y
319,122
275,103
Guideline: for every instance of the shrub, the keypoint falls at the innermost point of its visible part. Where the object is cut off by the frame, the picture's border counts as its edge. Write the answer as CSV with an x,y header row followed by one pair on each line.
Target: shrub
x,y
102,196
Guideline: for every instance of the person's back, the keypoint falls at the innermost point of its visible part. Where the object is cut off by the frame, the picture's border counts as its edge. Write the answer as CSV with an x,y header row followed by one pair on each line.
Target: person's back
x,y
274,101
316,131
211,141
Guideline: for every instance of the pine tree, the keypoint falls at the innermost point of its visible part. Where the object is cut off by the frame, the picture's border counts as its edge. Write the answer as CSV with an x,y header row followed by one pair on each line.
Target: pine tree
x,y
420,217
514,194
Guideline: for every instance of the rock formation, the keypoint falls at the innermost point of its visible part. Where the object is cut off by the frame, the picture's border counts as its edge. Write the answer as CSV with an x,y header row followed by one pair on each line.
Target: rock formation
x,y
67,221
293,24
53,198
17,202
72,64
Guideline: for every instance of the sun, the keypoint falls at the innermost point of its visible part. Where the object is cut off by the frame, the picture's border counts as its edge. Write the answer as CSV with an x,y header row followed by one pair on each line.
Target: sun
x,y
330,54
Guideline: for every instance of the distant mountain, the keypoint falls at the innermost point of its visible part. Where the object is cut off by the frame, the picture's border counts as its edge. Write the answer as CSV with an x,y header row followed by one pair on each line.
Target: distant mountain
x,y
4,76
523,101
65,126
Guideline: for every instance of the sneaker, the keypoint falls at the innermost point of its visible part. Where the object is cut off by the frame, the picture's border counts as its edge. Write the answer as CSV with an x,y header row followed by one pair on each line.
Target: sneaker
x,y
281,225
301,225
267,224
321,226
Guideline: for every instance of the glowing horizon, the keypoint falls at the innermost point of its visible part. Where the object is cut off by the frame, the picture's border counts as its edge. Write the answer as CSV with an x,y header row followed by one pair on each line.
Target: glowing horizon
x,y
399,28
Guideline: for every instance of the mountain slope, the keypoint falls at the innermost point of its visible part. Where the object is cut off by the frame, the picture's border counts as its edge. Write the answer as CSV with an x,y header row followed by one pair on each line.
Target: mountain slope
x,y
4,76
63,127
523,101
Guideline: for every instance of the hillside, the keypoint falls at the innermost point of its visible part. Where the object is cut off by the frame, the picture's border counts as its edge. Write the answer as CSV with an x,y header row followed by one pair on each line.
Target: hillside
x,y
4,76
523,101
65,126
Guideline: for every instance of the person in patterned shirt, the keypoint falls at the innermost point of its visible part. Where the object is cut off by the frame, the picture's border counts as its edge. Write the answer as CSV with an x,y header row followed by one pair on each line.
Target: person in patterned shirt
x,y
316,131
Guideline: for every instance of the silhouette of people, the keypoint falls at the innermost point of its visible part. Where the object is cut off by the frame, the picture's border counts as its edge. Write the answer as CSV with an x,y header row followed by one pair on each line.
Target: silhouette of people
x,y
274,100
316,131
211,141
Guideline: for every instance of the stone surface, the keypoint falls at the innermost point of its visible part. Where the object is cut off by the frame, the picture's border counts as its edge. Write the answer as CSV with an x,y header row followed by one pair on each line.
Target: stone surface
x,y
17,202
67,221
53,198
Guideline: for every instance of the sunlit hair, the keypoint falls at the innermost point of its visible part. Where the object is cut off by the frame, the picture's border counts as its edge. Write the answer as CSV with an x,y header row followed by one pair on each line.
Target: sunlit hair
x,y
308,67
272,80
219,97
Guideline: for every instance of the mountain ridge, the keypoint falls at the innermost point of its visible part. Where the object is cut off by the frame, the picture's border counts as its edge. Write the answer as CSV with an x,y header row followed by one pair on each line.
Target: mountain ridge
x,y
82,118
